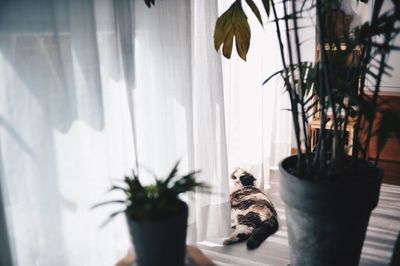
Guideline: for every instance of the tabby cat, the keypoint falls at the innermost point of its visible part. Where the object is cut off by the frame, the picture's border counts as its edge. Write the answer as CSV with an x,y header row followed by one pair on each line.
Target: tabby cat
x,y
254,216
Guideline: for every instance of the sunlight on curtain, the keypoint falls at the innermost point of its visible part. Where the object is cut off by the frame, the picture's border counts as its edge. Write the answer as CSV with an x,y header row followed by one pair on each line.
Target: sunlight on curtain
x,y
179,104
64,130
73,72
258,129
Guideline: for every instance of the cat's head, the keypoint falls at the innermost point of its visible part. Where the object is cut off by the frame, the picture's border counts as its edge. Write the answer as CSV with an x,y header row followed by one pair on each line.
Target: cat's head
x,y
242,177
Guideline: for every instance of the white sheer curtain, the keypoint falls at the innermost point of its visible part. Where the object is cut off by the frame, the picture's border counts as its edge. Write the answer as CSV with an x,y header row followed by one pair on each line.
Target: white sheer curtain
x,y
64,130
73,73
258,127
179,105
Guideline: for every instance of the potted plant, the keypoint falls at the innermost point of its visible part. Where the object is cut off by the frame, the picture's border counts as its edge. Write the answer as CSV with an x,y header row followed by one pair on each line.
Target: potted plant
x,y
329,190
157,218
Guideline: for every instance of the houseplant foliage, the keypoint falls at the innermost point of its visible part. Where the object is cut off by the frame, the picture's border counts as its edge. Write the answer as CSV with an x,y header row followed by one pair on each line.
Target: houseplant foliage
x,y
157,218
336,98
330,189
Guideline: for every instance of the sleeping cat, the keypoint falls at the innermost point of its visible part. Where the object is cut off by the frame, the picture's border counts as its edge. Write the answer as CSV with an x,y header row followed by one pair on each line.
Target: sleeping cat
x,y
254,216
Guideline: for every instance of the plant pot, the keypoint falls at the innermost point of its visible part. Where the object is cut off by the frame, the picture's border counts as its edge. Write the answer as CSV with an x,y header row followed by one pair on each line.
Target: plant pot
x,y
160,242
327,220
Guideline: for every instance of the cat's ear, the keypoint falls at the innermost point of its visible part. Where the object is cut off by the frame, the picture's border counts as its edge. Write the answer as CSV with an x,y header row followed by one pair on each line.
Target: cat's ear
x,y
233,176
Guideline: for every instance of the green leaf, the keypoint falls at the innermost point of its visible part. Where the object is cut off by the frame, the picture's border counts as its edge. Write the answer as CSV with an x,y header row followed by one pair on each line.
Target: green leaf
x,y
172,173
271,76
222,29
107,202
311,106
242,35
233,25
110,218
255,10
228,44
116,187
266,6
154,201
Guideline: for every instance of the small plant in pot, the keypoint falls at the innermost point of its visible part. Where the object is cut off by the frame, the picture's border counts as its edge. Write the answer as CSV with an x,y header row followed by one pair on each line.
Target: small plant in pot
x,y
331,188
157,218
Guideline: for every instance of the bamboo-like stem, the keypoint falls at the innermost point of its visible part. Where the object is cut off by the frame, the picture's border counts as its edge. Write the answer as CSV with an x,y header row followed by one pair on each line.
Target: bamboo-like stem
x,y
302,90
291,63
376,10
364,61
348,107
319,158
365,54
336,160
290,90
290,53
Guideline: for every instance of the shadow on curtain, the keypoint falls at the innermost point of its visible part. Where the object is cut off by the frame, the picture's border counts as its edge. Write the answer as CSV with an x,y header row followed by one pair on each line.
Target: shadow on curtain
x,y
64,130
5,249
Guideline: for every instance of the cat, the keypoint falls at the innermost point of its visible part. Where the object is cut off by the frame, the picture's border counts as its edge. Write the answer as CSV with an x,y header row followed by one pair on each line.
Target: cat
x,y
255,218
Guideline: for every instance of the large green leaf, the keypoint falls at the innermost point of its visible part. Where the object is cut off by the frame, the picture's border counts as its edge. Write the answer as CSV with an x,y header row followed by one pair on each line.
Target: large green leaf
x,y
233,25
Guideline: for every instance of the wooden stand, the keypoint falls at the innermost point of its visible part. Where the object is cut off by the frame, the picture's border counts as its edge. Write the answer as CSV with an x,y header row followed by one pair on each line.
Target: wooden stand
x,y
315,126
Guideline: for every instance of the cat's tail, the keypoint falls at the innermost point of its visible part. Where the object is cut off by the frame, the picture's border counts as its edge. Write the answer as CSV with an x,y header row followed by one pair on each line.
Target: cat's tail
x,y
260,234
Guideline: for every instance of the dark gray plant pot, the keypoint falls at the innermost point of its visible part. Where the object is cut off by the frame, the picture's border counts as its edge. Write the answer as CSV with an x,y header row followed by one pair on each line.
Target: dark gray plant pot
x,y
327,220
160,242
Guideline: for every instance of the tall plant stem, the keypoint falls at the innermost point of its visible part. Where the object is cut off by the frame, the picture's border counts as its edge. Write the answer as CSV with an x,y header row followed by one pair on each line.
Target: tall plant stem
x,y
302,89
365,58
324,67
319,158
291,61
290,91
348,105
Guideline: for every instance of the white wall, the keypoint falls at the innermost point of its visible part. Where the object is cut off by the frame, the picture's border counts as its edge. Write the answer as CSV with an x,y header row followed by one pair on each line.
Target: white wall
x,y
392,83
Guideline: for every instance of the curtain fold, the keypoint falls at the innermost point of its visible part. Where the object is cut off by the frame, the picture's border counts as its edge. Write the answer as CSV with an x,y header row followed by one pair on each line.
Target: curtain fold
x,y
70,79
5,245
64,129
179,104
212,211
258,127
